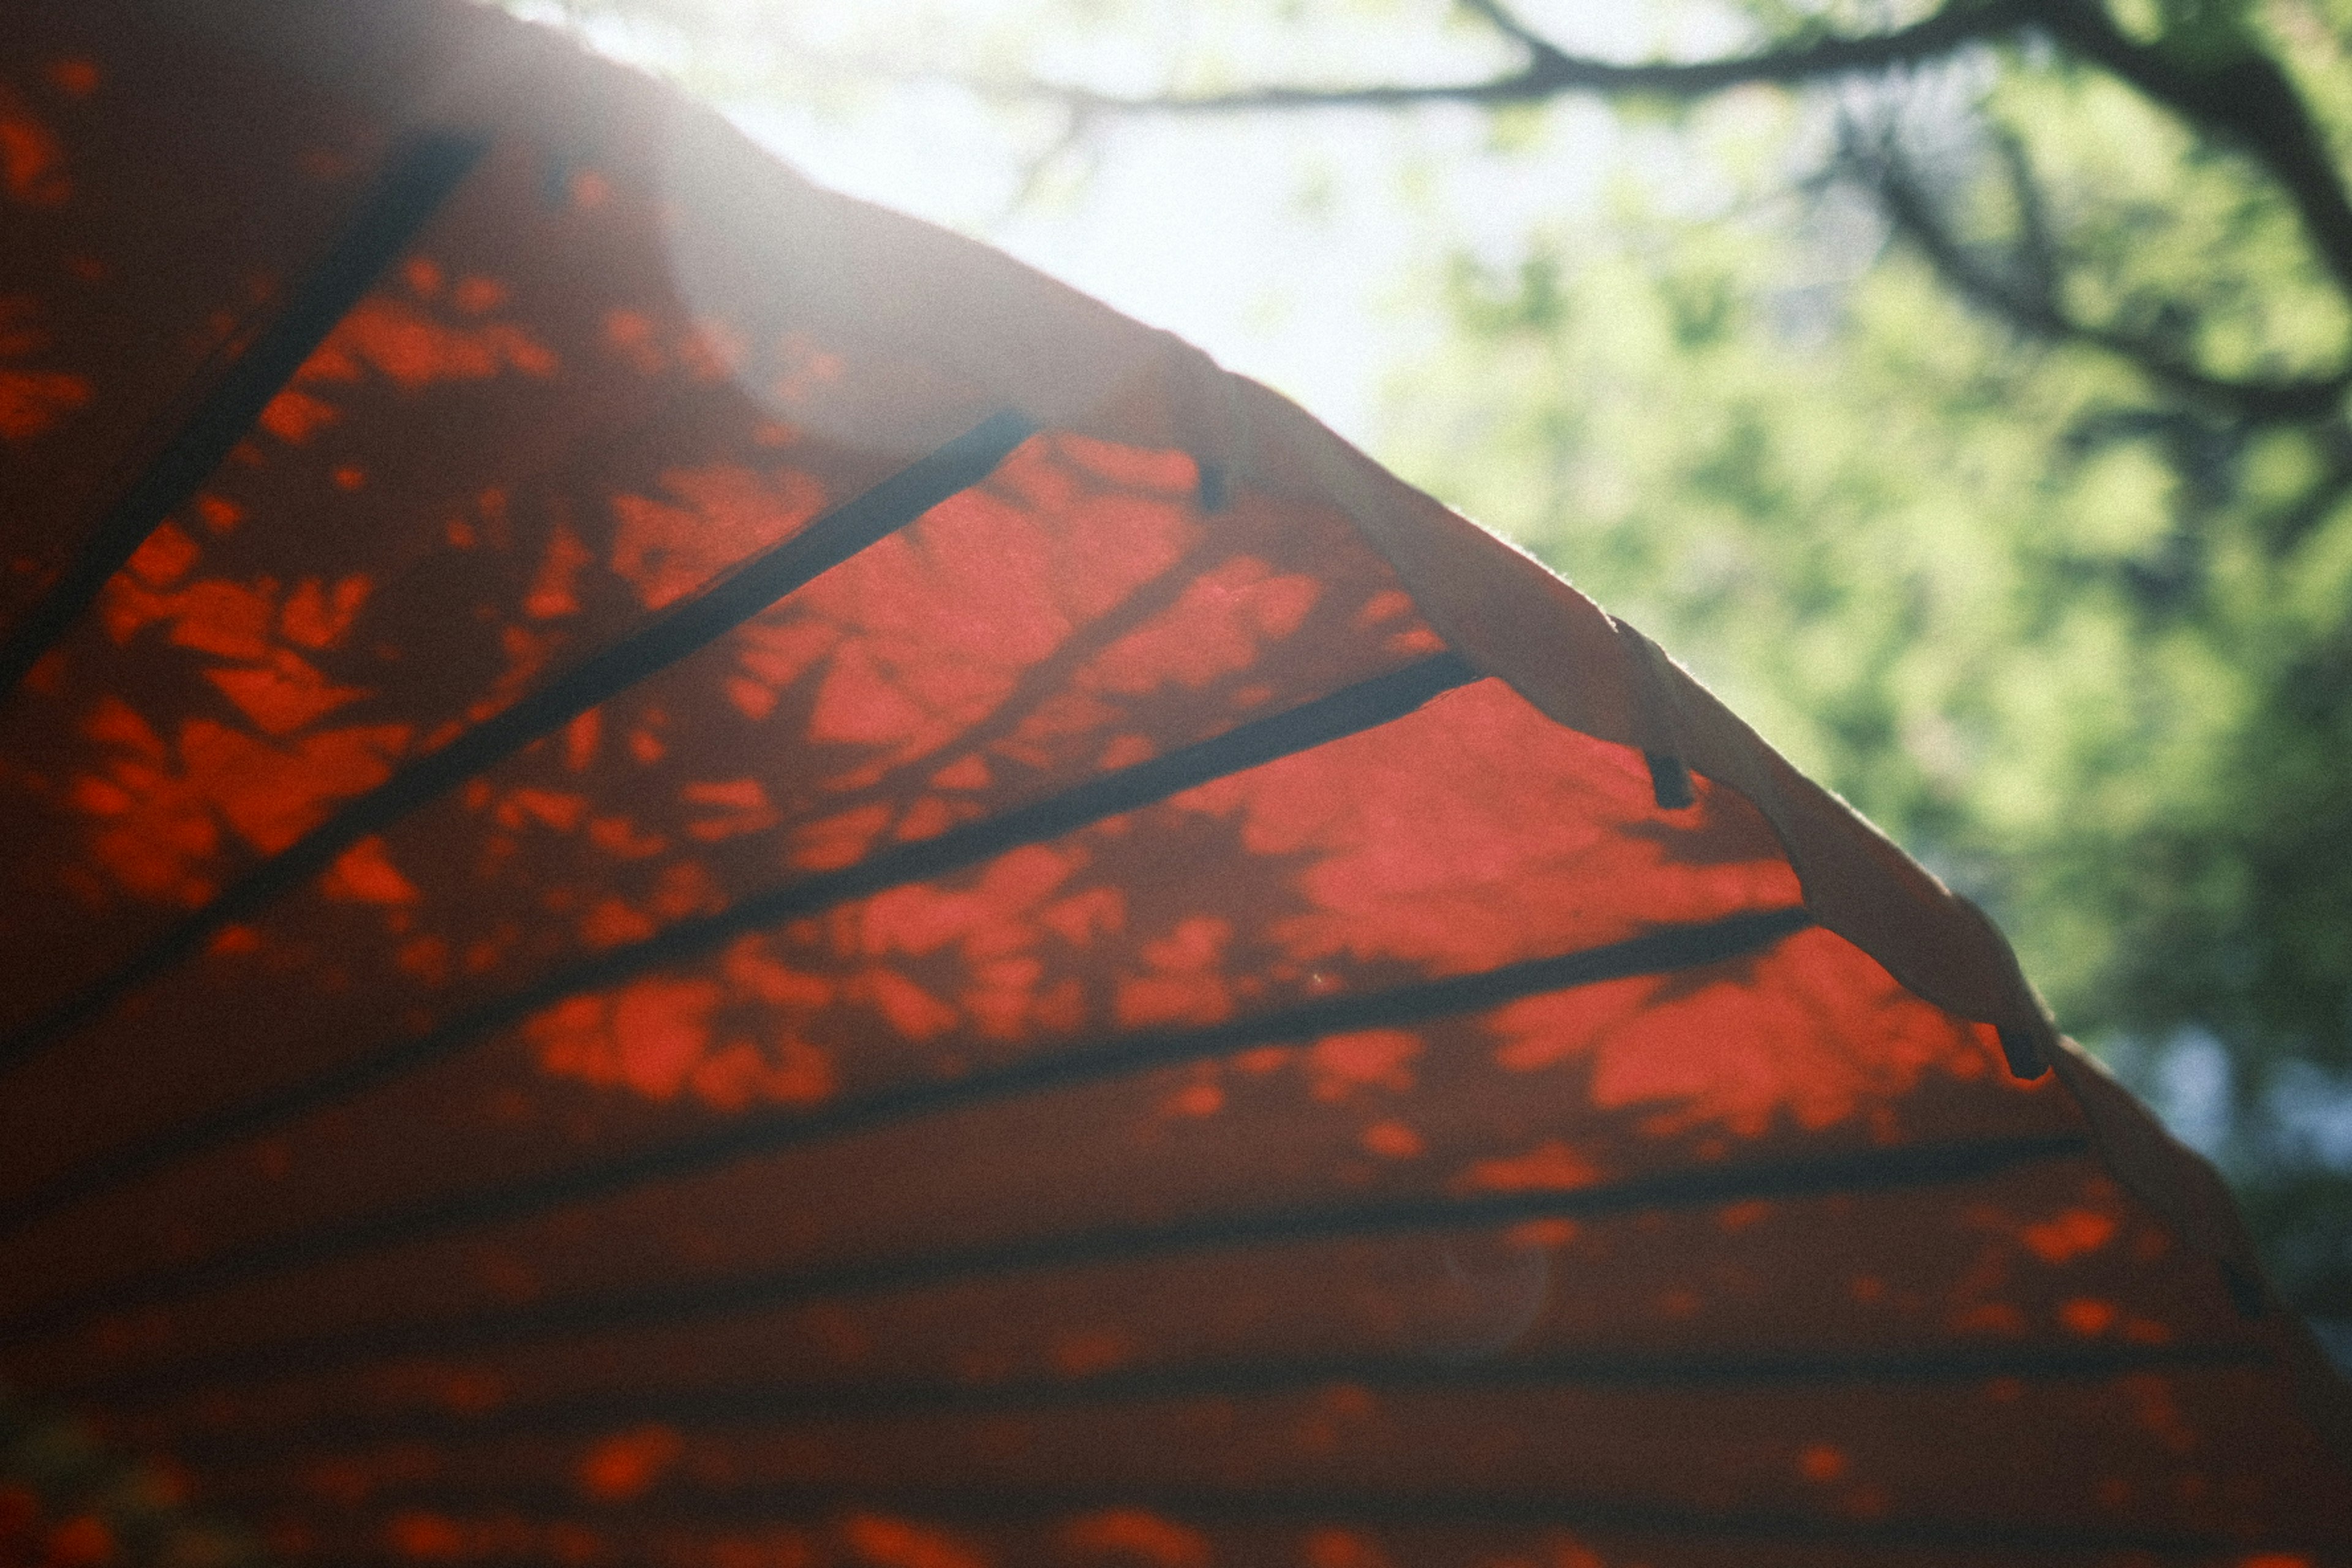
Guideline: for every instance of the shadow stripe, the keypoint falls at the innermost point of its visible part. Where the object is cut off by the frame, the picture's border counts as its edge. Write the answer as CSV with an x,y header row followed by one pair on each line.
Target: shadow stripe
x,y
1393,1507
678,632
756,1406
416,178
1363,706
1875,1170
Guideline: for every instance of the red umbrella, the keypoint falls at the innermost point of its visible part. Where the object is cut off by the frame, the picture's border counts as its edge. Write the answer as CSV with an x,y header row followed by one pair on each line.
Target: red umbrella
x,y
696,875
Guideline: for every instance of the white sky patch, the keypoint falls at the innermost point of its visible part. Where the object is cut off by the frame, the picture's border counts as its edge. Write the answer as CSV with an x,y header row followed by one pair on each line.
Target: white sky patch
x,y
1286,246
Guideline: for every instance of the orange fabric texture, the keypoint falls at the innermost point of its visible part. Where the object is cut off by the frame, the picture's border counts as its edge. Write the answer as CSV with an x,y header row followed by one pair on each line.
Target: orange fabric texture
x,y
696,876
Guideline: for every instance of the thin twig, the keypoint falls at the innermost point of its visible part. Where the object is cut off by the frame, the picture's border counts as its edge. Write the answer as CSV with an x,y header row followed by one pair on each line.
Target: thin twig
x,y
2037,310
1492,13
1551,72
2245,99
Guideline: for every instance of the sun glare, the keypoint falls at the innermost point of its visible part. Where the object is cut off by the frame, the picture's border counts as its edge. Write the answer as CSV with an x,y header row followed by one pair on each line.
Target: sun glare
x,y
1285,247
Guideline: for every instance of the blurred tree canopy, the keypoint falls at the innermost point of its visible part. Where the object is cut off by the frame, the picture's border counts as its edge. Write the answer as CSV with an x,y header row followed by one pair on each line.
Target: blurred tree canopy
x,y
1979,429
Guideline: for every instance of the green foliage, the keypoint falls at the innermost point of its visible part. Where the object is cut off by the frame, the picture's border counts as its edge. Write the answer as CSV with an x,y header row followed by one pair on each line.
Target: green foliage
x,y
2081,641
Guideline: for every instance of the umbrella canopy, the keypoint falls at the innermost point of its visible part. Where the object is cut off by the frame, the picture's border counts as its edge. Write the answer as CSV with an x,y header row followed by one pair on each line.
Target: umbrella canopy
x,y
694,875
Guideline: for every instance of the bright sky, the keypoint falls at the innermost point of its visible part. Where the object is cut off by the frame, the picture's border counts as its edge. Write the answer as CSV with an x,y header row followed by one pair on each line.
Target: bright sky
x,y
1287,247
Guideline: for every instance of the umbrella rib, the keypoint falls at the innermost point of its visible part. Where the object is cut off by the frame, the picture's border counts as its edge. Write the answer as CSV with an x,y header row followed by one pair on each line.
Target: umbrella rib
x,y
755,1405
1020,1502
415,180
1843,1175
1670,781
1660,952
677,633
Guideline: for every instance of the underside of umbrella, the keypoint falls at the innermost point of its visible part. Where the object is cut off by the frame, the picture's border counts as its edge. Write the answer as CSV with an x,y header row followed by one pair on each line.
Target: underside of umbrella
x,y
693,875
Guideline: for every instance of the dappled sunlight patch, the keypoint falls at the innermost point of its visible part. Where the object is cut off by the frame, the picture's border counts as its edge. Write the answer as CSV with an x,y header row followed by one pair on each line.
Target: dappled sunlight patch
x,y
710,518
158,804
159,800
1331,1548
1340,1065
33,400
365,874
405,341
1218,627
411,339
900,679
283,692
2069,1234
1140,1536
425,1535
888,1542
1812,1032
32,155
626,1465
1182,979
1492,845
1550,1166
660,1037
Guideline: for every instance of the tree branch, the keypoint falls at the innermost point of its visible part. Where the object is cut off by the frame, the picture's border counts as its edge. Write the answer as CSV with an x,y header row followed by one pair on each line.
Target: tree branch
x,y
2291,527
1551,72
1493,14
2038,245
2033,307
2245,98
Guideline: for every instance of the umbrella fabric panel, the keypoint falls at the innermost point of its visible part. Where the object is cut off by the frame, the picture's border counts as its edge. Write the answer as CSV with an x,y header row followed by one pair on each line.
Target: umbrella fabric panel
x,y
151,221
2022,1357
1160,923
480,461
1182,1535
904,1002
1827,1455
937,1197
854,913
121,310
1144,626
2026,1272
1168,1126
